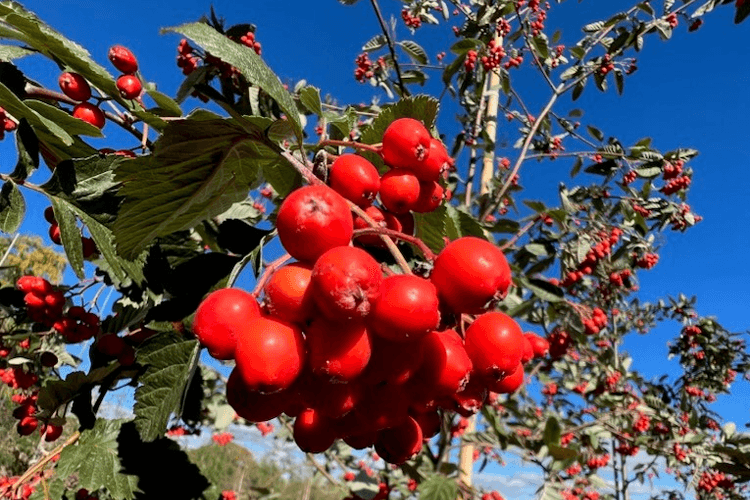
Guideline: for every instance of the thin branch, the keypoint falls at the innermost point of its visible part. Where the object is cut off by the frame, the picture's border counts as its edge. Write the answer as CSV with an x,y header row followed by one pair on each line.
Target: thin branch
x,y
428,253
44,461
520,233
391,47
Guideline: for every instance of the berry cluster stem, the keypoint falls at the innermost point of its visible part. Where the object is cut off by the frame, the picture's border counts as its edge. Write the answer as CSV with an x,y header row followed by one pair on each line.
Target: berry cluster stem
x,y
388,242
426,251
268,272
350,144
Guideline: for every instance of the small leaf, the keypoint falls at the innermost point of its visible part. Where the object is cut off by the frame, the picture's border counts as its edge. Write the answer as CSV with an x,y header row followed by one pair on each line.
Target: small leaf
x,y
310,99
595,133
12,208
438,487
70,235
552,432
375,43
11,52
169,362
165,103
561,453
415,51
27,145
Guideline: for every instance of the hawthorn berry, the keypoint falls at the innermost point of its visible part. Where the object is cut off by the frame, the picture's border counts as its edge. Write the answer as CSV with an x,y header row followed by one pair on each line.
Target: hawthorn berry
x,y
338,352
469,274
313,431
437,164
269,353
382,219
494,342
220,319
398,444
430,197
346,282
407,308
355,178
74,86
89,113
406,144
130,86
509,383
445,367
312,220
255,406
123,59
287,293
399,191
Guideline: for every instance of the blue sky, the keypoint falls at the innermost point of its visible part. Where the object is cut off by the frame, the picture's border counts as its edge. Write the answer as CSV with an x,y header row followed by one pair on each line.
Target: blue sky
x,y
688,92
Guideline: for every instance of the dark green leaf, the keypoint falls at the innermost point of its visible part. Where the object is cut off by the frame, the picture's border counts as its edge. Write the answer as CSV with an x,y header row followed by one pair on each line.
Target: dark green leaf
x,y
619,81
505,226
12,208
438,487
70,235
462,46
595,133
310,99
742,12
73,126
415,51
431,227
166,104
95,460
247,62
57,393
198,170
648,172
19,109
11,52
169,362
578,89
544,290
559,453
552,432
27,145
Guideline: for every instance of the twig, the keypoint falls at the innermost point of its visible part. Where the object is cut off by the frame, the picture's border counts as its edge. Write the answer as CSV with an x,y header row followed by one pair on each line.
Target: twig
x,y
10,247
268,272
384,28
520,233
350,144
388,242
428,253
44,461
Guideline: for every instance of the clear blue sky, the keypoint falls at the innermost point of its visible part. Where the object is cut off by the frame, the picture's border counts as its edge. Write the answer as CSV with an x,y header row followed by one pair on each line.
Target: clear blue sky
x,y
688,92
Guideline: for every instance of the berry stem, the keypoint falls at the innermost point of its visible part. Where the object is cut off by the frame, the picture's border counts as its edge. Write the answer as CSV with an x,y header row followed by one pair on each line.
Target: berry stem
x,y
351,144
268,272
388,242
429,254
44,461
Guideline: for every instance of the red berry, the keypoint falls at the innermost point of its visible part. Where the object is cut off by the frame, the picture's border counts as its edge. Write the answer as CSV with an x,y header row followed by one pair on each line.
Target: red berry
x,y
255,406
470,273
313,432
406,310
437,163
221,318
446,366
52,432
398,444
399,191
89,113
54,234
528,350
312,220
287,295
430,197
270,354
392,363
49,215
345,282
509,383
129,86
494,342
355,178
406,144
383,219
89,247
338,352
110,345
74,86
123,59
27,425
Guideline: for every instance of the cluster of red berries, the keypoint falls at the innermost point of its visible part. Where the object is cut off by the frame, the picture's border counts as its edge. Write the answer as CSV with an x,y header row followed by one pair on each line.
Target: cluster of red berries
x,y
364,70
44,304
621,278
642,423
495,54
493,495
559,342
625,446
83,494
629,177
471,60
88,244
513,62
711,480
503,27
223,438
606,65
647,260
128,84
248,40
410,20
7,124
677,184
597,462
116,347
672,20
596,322
672,170
186,59
599,251
580,494
77,325
16,378
537,25
332,328
28,423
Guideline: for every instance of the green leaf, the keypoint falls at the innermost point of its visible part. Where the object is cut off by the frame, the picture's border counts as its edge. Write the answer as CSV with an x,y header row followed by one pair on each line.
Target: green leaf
x,y
95,460
57,393
431,227
169,362
438,487
552,432
199,168
375,43
73,126
465,223
27,145
11,52
247,62
165,103
365,486
70,235
415,51
463,46
544,289
595,133
560,453
19,110
310,99
12,208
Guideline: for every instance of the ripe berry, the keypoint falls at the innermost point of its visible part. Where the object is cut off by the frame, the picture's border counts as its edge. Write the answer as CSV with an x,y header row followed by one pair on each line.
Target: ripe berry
x,y
270,354
345,282
123,59
314,219
337,352
129,86
430,197
287,295
313,432
52,432
406,144
392,363
470,273
528,350
538,344
333,399
49,215
221,318
446,366
74,86
399,191
398,444
89,113
494,342
255,406
406,310
509,383
54,234
383,219
111,345
437,164
27,425
355,178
